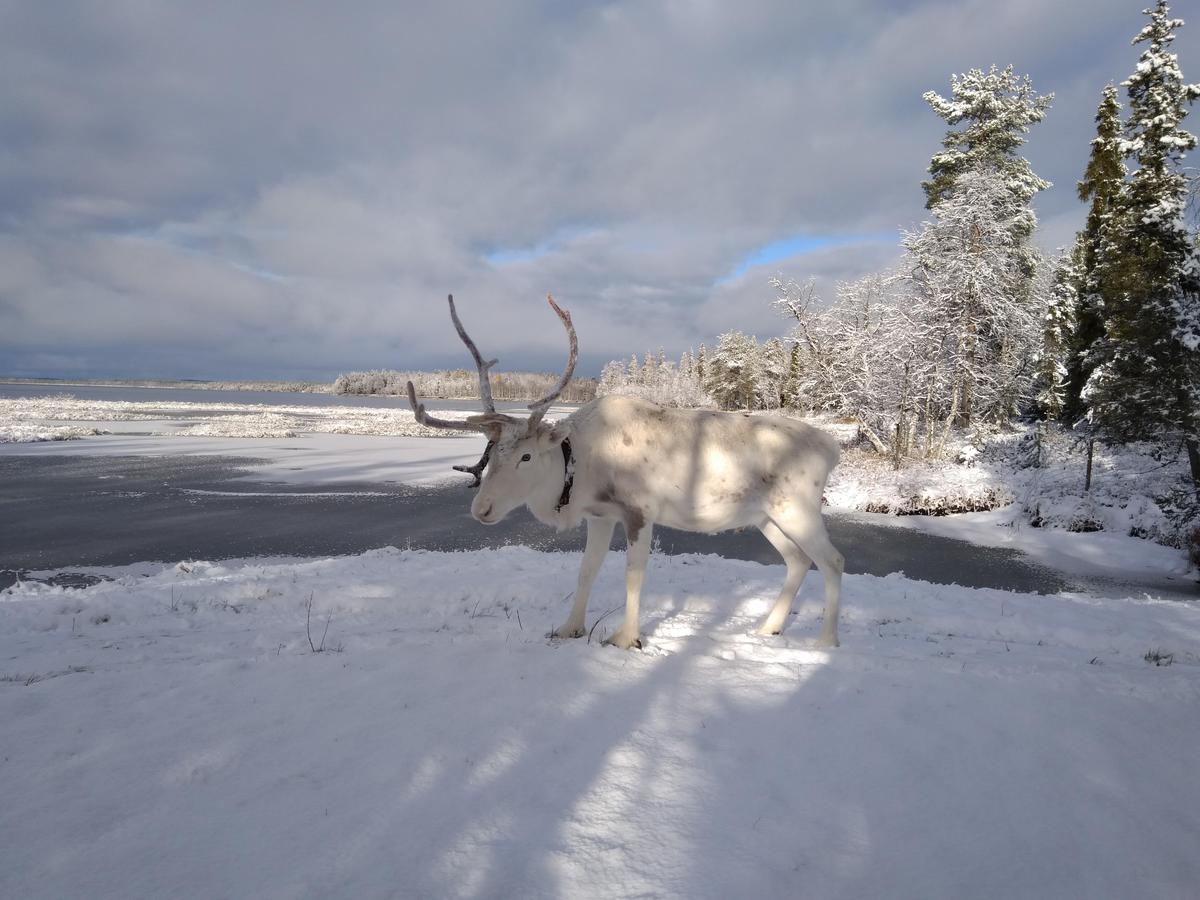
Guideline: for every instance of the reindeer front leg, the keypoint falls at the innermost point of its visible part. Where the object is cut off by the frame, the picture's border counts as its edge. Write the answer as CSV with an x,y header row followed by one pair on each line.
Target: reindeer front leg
x,y
637,555
599,537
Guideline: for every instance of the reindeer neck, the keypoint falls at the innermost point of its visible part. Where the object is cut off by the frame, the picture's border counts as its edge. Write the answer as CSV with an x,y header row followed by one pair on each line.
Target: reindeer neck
x,y
552,503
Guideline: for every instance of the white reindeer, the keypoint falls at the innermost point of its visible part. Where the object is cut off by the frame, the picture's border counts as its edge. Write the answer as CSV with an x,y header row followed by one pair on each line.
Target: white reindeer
x,y
619,459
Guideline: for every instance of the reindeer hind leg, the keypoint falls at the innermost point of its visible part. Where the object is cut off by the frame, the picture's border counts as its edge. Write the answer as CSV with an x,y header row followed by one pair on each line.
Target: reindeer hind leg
x,y
798,565
806,528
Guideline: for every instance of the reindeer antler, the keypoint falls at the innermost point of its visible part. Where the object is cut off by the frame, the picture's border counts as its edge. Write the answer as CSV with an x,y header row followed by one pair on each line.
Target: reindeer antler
x,y
538,409
485,387
485,383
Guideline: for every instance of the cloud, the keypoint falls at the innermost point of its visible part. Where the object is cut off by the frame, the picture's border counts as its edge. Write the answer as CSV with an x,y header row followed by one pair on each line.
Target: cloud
x,y
291,189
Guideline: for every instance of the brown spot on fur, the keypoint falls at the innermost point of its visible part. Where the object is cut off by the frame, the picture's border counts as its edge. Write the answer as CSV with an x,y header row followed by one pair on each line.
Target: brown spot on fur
x,y
607,494
626,439
635,521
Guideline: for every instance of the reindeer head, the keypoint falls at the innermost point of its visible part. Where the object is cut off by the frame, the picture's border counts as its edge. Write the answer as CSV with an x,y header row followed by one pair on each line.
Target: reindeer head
x,y
524,458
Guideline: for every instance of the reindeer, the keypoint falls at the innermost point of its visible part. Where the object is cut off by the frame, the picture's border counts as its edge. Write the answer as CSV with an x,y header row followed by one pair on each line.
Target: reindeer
x,y
620,459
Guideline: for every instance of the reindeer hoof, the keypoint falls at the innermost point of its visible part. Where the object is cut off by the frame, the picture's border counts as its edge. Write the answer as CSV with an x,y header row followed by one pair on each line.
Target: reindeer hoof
x,y
565,633
624,641
828,640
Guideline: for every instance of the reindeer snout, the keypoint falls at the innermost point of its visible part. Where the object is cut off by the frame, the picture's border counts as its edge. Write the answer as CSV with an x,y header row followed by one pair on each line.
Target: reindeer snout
x,y
484,512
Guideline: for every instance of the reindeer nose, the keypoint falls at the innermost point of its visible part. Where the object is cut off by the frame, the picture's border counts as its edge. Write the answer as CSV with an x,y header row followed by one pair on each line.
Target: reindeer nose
x,y
485,514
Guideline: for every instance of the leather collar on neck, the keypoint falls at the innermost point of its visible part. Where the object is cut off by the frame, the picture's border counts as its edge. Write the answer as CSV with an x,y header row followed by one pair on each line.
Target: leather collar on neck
x,y
568,476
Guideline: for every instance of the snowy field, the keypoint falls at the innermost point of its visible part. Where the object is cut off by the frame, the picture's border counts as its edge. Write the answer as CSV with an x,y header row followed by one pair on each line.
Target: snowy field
x,y
171,731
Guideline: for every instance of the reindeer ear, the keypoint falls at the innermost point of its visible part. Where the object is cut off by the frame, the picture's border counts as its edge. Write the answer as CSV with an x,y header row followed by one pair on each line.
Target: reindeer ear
x,y
553,434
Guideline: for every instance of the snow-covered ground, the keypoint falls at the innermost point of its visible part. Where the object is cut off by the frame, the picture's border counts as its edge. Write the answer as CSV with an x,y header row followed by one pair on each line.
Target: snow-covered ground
x,y
171,733
1138,489
185,419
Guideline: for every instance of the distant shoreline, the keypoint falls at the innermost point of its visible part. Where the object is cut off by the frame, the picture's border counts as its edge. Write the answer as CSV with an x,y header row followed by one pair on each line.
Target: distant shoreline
x,y
289,387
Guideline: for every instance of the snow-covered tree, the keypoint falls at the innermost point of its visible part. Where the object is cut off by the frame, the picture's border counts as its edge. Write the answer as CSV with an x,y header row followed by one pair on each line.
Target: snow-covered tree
x,y
665,384
996,109
975,289
791,384
975,263
860,356
613,377
1147,379
649,369
1102,183
733,371
993,110
772,373
687,364
1058,325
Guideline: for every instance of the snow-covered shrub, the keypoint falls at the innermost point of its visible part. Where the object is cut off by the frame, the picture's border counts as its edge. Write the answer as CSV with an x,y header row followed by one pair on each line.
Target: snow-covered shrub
x,y
30,432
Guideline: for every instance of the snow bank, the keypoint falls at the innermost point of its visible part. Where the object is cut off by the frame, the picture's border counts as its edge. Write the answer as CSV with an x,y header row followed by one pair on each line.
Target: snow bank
x,y
224,419
171,733
1139,489
32,432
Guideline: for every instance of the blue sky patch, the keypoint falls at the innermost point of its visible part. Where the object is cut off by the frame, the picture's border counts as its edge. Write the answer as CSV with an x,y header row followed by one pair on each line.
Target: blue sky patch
x,y
799,245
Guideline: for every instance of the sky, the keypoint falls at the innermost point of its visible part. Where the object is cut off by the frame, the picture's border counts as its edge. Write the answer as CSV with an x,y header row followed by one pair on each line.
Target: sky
x,y
290,189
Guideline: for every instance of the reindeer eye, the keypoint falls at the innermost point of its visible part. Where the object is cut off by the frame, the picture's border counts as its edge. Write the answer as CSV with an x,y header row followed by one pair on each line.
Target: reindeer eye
x,y
526,458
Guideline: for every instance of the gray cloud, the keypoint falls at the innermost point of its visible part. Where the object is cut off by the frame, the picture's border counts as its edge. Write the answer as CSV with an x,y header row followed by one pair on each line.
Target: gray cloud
x,y
290,189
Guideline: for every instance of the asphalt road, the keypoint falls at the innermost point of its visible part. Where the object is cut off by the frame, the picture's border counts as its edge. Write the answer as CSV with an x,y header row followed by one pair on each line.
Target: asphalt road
x,y
71,511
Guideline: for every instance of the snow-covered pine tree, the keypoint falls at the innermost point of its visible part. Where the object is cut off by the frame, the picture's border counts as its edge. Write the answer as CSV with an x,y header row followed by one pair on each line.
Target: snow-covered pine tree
x,y
791,384
1146,382
980,192
1101,184
687,365
614,378
772,372
732,371
649,369
998,107
702,363
1057,329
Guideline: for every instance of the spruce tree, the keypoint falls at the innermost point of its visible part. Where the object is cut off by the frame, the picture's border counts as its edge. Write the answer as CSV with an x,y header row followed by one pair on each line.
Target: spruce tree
x,y
649,369
791,386
1057,328
733,371
1146,383
1102,183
